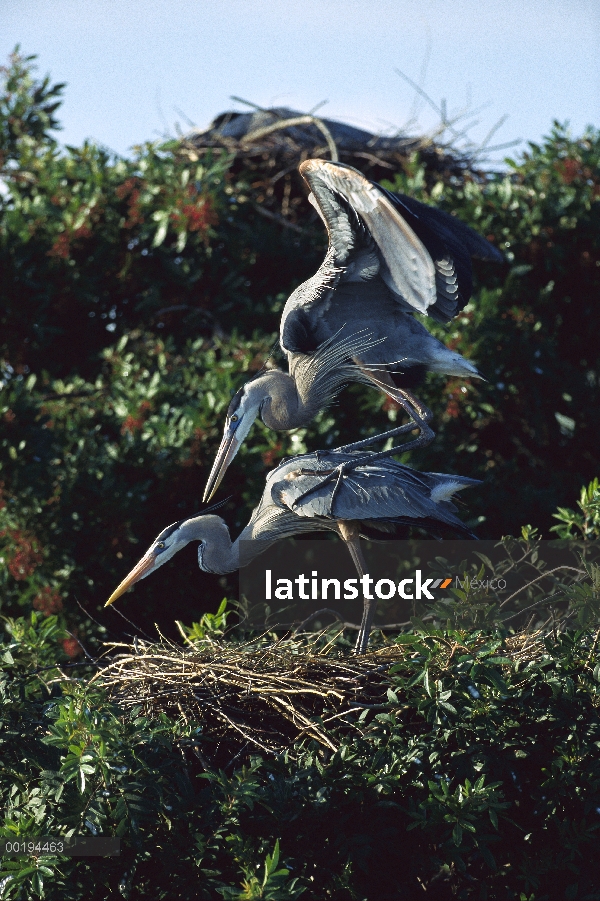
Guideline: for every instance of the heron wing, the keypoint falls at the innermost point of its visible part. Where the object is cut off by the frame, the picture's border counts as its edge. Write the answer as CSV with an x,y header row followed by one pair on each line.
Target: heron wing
x,y
383,490
343,194
451,244
351,256
297,332
425,254
447,225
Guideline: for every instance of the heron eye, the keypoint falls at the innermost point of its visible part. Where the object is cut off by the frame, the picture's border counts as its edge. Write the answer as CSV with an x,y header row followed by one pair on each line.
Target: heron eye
x,y
160,544
234,418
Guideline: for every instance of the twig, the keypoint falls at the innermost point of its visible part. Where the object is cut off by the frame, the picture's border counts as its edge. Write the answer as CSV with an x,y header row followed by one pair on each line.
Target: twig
x,y
279,219
249,103
533,581
593,648
288,123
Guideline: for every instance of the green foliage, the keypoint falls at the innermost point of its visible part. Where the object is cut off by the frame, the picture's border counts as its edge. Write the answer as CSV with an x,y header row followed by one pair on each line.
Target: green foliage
x,y
585,524
211,626
479,778
275,884
529,581
530,431
137,295
89,242
27,108
93,245
96,468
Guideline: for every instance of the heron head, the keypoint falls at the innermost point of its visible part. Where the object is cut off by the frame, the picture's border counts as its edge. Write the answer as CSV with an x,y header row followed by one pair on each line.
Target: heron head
x,y
164,546
242,411
203,528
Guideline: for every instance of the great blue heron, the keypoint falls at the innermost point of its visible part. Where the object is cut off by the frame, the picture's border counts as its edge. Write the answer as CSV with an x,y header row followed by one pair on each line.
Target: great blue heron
x,y
389,256
373,498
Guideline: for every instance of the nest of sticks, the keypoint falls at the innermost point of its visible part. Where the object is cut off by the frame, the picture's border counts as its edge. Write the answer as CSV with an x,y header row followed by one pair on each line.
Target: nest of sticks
x,y
266,146
258,697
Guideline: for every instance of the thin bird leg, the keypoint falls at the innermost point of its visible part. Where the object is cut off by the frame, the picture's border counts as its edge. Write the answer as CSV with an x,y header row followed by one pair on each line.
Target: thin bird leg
x,y
407,400
413,401
351,535
425,437
420,415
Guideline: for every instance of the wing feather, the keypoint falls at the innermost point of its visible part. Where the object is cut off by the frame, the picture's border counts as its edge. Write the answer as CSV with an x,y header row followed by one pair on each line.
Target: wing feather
x,y
408,269
476,245
425,253
384,490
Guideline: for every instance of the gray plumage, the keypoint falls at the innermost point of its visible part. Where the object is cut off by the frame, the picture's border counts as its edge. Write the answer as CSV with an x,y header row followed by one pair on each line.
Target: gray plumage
x,y
389,256
383,490
291,400
371,498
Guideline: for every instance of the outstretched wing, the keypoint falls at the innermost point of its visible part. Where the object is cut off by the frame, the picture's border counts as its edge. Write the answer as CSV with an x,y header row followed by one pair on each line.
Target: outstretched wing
x,y
384,490
448,226
352,255
357,213
451,244
424,253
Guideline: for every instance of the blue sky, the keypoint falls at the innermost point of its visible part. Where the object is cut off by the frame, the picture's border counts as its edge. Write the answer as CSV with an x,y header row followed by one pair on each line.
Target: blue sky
x,y
131,65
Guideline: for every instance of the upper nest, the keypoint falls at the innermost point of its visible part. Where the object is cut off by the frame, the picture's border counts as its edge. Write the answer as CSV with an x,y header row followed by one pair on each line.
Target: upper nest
x,y
267,147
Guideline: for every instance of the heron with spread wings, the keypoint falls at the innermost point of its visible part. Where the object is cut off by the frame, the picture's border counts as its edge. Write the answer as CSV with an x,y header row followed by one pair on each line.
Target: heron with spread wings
x,y
375,498
389,256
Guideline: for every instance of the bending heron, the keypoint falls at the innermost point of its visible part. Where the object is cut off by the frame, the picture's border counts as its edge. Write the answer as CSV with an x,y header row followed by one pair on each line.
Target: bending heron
x,y
389,256
373,498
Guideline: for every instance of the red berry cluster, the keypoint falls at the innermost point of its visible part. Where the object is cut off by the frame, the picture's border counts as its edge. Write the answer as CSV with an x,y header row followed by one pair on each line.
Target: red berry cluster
x,y
71,647
26,553
131,189
62,245
456,397
48,601
269,457
193,212
197,450
131,423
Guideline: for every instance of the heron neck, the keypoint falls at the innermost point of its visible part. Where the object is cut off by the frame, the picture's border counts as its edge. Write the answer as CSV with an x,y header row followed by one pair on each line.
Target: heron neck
x,y
283,407
253,540
222,558
217,554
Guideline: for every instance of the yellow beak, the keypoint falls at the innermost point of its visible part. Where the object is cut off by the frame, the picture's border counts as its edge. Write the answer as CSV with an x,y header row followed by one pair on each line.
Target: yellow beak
x,y
145,565
227,451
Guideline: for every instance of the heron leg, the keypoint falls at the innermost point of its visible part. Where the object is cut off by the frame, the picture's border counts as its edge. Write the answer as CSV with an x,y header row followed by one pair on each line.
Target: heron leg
x,y
336,473
420,415
425,437
407,400
413,406
418,412
350,533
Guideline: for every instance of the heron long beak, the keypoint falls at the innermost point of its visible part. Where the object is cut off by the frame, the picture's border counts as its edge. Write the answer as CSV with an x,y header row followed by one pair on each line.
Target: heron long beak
x,y
142,568
227,450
